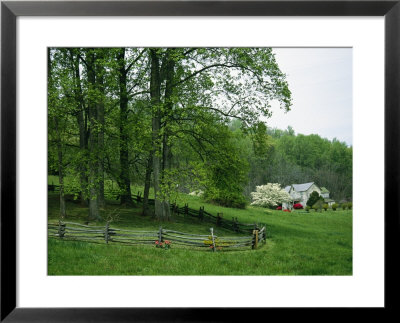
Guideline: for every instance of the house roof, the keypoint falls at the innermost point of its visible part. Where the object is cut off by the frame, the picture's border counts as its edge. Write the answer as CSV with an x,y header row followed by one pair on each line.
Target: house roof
x,y
287,188
329,200
302,187
324,190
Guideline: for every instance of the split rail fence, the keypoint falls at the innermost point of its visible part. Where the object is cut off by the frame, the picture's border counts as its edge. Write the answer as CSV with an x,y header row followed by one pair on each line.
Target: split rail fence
x,y
106,234
204,216
201,214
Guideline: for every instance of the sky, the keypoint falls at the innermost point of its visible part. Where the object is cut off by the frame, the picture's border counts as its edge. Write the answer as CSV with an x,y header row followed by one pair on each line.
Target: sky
x,y
320,80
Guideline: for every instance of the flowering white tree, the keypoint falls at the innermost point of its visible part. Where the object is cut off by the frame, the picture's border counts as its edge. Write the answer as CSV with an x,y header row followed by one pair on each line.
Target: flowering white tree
x,y
270,195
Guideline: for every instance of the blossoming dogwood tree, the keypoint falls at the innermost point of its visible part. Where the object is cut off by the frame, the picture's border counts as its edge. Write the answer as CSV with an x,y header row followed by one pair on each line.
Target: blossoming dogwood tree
x,y
270,195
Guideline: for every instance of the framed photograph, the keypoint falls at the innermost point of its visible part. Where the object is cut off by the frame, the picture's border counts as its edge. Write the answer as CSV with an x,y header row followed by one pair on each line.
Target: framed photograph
x,y
186,160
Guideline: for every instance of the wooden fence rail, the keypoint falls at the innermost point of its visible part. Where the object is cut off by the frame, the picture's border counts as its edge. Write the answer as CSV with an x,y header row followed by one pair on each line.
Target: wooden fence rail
x,y
99,234
202,215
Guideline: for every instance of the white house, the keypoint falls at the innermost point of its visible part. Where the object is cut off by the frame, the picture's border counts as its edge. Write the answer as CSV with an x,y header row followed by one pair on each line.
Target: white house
x,y
301,192
324,192
325,195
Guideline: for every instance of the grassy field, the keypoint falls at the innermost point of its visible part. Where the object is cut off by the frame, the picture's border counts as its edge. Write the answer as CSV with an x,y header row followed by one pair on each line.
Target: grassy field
x,y
299,243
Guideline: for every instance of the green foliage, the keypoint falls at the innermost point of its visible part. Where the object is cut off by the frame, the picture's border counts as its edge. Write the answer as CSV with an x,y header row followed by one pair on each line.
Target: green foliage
x,y
335,206
300,158
325,206
210,121
349,205
308,208
224,172
318,205
344,206
314,198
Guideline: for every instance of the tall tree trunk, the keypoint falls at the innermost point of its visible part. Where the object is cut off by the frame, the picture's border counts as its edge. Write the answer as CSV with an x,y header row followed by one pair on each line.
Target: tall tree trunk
x,y
59,146
81,116
147,183
60,170
93,139
100,119
155,94
168,104
124,182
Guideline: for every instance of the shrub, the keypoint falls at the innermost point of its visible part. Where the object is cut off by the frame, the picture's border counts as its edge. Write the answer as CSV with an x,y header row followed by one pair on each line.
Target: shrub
x,y
314,198
269,195
198,193
349,205
334,206
279,208
318,205
226,198
315,208
308,208
163,245
344,206
297,206
235,201
325,206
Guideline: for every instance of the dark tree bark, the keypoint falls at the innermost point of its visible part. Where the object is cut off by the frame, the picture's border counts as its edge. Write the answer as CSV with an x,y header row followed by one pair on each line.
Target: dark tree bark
x,y
147,183
93,138
100,120
63,213
124,181
81,115
155,95
168,105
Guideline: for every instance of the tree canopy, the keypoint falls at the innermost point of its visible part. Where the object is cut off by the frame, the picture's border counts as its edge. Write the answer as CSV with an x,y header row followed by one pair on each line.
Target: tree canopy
x,y
158,117
177,120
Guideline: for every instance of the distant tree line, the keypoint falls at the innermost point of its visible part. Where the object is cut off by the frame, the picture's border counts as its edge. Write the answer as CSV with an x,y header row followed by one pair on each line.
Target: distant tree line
x,y
292,158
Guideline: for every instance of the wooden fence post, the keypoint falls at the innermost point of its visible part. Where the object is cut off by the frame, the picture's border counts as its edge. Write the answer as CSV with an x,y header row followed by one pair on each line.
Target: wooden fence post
x,y
186,209
160,239
212,238
265,234
61,229
106,235
201,213
255,239
219,218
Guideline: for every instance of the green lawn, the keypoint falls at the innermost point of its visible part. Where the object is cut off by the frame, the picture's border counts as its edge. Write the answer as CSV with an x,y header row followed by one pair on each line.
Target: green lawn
x,y
299,243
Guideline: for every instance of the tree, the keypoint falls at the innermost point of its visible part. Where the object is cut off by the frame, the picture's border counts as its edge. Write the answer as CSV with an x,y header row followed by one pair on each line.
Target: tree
x,y
130,77
93,130
314,198
270,195
54,116
226,167
228,83
81,115
124,180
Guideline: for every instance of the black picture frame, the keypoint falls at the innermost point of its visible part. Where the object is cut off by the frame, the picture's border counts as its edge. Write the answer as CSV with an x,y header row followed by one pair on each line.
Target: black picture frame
x,y
10,10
